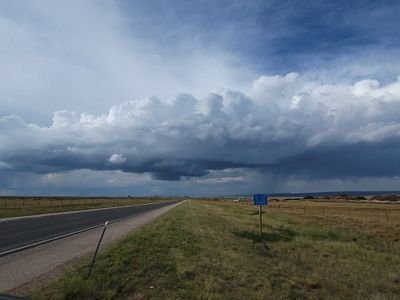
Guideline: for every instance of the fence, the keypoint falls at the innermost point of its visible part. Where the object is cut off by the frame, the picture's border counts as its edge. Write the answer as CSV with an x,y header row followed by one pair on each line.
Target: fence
x,y
389,213
31,203
350,211
26,202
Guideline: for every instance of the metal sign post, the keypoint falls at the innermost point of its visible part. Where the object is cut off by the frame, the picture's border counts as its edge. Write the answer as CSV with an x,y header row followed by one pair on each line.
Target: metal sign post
x,y
260,200
97,249
261,224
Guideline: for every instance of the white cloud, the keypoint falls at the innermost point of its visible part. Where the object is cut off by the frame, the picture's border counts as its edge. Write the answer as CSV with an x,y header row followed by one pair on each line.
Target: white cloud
x,y
117,159
4,166
184,137
93,67
68,55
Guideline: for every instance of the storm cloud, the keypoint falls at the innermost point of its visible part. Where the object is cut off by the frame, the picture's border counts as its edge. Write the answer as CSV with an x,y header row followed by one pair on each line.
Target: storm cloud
x,y
223,96
284,126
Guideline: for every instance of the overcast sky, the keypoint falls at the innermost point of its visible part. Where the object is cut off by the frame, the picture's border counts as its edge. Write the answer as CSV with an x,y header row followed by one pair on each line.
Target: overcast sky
x,y
199,97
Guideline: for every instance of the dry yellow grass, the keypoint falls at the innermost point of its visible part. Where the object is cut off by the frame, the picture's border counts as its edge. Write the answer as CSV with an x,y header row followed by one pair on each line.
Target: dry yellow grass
x,y
22,206
367,211
212,250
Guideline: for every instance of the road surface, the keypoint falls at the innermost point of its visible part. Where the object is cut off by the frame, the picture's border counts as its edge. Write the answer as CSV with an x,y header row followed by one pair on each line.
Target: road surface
x,y
23,232
21,271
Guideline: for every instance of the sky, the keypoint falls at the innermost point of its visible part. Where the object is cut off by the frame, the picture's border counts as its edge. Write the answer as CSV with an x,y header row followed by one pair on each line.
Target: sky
x,y
198,97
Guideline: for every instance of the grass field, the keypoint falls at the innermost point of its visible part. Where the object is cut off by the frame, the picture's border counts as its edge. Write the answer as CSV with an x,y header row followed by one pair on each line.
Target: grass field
x,y
367,211
24,206
212,250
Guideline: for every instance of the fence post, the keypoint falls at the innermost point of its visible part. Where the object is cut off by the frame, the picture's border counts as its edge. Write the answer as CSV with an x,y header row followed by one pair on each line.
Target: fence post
x,y
323,211
387,216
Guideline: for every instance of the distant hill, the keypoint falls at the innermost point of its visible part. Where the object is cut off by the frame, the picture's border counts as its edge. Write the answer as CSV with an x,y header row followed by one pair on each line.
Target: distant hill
x,y
323,194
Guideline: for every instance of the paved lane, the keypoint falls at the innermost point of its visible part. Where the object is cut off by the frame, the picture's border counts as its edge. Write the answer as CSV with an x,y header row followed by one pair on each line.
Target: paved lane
x,y
22,232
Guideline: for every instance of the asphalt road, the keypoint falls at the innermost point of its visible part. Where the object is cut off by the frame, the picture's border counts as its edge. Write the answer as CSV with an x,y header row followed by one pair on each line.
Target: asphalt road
x,y
26,231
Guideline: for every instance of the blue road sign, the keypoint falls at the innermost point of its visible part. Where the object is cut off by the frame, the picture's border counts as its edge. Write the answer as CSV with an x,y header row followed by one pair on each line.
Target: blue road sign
x,y
260,199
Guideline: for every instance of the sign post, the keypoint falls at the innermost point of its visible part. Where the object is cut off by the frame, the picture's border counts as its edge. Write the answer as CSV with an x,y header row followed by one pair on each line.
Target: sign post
x,y
260,212
97,249
260,200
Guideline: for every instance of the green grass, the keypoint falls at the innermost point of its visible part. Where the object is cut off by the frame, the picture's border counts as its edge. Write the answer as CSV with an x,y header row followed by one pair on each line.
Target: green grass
x,y
15,207
211,250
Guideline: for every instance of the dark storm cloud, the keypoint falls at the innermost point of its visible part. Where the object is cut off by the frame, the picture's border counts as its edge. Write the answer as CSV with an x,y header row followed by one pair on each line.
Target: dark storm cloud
x,y
284,126
346,161
284,35
43,162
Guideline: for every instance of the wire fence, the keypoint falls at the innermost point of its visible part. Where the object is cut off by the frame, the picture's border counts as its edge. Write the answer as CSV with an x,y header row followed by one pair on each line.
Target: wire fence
x,y
60,202
18,203
389,213
371,213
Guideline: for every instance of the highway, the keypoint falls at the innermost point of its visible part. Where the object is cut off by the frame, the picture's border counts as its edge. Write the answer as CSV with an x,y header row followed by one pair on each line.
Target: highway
x,y
25,232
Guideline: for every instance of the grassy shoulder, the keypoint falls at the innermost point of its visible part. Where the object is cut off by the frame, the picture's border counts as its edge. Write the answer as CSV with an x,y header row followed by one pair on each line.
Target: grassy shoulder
x,y
211,250
22,207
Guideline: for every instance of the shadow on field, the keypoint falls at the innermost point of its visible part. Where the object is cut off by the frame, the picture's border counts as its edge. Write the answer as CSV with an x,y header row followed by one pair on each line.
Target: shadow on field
x,y
253,212
282,234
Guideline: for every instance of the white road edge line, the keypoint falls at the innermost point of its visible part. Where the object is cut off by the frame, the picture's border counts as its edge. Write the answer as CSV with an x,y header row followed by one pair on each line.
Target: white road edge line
x,y
26,247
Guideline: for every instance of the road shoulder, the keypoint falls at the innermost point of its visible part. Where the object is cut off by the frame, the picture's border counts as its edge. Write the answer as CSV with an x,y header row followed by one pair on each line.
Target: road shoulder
x,y
18,269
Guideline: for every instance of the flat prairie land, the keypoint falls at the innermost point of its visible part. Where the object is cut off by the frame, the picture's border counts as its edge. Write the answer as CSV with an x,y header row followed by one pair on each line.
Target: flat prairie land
x,y
24,206
367,211
213,250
